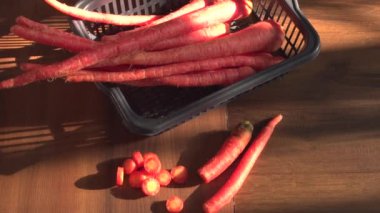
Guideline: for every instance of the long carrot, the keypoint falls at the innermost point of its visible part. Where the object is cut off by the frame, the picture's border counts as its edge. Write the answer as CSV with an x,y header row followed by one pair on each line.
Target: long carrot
x,y
57,38
204,34
256,61
239,175
75,45
26,22
228,153
202,79
221,12
106,18
265,36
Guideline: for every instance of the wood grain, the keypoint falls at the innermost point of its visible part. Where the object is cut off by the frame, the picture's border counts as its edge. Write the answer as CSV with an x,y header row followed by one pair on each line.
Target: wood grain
x,y
325,155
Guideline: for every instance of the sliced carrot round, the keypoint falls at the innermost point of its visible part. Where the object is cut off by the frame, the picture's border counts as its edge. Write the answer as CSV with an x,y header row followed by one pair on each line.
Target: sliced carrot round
x,y
174,204
179,174
148,155
164,177
137,178
150,186
138,158
120,176
152,165
129,166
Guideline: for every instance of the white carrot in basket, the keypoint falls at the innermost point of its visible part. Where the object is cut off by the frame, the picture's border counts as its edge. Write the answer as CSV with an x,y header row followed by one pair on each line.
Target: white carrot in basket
x,y
244,10
106,18
188,8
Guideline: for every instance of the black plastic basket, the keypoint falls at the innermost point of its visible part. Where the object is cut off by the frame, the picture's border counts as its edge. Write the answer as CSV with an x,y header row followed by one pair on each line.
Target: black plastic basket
x,y
150,111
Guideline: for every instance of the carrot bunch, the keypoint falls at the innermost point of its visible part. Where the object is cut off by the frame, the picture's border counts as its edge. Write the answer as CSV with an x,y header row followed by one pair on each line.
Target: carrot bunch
x,y
192,46
145,172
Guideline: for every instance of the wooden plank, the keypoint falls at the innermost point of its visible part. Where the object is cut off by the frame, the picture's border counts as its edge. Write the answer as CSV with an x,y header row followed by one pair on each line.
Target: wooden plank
x,y
325,155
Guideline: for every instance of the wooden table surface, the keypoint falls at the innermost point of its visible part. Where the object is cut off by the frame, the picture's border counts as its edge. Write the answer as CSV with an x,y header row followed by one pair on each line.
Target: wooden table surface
x,y
60,143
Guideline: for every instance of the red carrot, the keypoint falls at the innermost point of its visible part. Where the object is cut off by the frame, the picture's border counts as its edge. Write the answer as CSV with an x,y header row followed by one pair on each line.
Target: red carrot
x,y
164,177
138,158
256,61
51,39
23,21
197,36
124,20
120,176
265,36
206,78
179,174
150,186
174,204
220,12
235,182
228,153
129,166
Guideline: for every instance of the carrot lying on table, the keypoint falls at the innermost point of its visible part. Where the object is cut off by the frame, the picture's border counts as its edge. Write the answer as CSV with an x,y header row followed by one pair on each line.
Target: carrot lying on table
x,y
225,194
218,13
106,18
228,153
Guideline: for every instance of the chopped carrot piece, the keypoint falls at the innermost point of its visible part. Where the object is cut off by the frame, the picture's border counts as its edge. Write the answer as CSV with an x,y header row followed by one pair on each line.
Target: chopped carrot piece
x,y
179,174
150,186
164,177
174,204
137,178
152,165
120,176
129,166
138,158
148,155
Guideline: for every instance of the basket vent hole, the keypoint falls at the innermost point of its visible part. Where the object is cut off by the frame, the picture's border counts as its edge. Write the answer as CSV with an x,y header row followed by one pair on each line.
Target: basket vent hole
x,y
134,5
110,6
119,9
